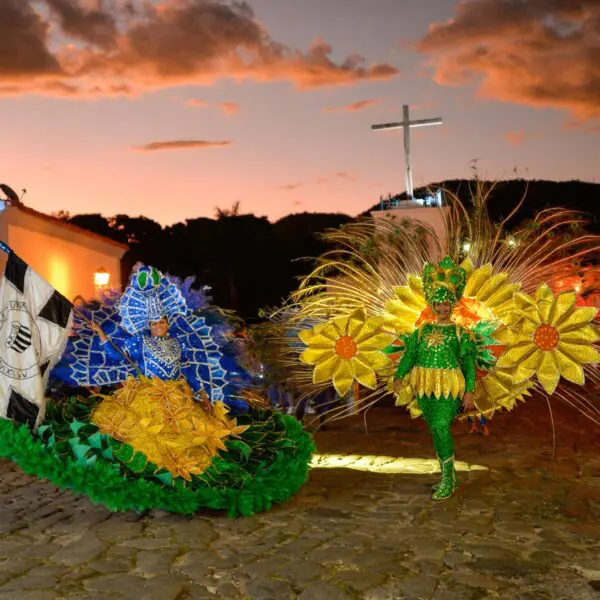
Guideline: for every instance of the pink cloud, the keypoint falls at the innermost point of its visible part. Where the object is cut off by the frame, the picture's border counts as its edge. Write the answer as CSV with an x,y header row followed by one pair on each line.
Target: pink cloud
x,y
515,138
323,180
354,106
181,145
229,108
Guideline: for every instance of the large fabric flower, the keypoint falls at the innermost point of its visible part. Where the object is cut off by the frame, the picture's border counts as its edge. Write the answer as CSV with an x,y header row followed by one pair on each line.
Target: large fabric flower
x,y
488,295
347,349
550,337
406,309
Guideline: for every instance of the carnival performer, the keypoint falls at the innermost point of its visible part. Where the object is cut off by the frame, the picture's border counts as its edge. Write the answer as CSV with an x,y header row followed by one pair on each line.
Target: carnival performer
x,y
477,315
149,330
177,429
439,360
157,354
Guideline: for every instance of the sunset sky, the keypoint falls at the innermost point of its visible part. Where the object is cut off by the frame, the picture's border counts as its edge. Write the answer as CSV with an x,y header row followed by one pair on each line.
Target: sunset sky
x,y
169,109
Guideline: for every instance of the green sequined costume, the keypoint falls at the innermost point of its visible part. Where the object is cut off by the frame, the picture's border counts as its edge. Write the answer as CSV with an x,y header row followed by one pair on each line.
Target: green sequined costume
x,y
439,362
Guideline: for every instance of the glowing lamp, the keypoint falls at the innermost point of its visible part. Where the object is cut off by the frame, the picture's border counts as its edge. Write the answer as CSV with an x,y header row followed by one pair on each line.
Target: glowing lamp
x,y
101,278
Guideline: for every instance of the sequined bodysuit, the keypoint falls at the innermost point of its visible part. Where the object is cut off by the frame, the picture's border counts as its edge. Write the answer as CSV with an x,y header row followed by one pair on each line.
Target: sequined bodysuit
x,y
160,357
439,361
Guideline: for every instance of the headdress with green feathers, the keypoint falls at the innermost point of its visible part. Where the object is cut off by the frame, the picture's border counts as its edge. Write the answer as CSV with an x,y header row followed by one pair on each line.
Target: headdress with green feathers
x,y
444,282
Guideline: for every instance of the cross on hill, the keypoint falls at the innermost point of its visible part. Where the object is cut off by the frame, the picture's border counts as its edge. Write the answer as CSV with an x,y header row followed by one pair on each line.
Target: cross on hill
x,y
406,124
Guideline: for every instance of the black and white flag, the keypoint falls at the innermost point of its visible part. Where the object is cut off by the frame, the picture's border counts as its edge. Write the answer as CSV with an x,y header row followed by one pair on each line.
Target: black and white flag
x,y
34,323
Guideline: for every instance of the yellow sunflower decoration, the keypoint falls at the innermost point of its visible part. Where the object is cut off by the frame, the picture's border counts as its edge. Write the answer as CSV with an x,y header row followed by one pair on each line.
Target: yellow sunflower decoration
x,y
346,349
408,306
550,337
487,295
499,390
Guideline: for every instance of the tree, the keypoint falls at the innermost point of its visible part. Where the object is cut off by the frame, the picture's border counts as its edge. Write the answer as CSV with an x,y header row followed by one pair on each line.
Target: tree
x,y
234,211
99,224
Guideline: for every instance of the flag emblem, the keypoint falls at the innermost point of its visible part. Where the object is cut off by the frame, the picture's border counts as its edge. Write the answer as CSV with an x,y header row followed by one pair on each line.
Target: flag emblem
x,y
19,335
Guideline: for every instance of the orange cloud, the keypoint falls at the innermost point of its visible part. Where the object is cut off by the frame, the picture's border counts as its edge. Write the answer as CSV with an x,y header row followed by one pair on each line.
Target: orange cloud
x,y
196,102
136,46
181,145
542,54
515,138
229,108
353,107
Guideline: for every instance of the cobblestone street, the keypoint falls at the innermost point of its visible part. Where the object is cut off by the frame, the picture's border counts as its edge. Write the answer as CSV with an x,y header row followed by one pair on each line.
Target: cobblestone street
x,y
525,528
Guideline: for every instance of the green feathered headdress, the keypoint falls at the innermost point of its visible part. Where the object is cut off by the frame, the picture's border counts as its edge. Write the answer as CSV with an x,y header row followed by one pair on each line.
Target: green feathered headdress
x,y
444,282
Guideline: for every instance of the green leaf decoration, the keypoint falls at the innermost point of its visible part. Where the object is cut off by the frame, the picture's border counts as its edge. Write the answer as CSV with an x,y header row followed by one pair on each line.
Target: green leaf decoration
x,y
42,429
138,462
124,453
75,426
393,349
242,448
80,450
165,477
95,440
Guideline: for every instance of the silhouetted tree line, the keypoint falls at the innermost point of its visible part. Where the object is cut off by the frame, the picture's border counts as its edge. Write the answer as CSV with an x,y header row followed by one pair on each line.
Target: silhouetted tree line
x,y
252,263
248,261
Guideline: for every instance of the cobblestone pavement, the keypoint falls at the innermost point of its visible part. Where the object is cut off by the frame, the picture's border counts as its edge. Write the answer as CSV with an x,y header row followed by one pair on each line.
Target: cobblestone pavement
x,y
526,529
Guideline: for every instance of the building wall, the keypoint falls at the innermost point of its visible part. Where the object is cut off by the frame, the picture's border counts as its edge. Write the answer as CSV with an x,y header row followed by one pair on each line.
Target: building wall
x,y
63,256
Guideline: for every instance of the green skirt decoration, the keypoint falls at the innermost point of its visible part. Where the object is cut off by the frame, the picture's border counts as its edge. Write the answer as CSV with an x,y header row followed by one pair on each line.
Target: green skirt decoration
x,y
266,465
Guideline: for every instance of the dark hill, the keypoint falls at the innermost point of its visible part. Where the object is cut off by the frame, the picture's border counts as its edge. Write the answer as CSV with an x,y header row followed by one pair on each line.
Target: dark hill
x,y
539,194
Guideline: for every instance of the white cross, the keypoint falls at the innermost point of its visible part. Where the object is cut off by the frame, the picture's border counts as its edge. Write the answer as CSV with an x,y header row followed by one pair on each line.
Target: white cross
x,y
406,124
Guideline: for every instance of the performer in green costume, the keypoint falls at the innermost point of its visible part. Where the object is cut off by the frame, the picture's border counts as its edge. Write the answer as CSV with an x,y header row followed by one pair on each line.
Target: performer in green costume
x,y
488,332
439,361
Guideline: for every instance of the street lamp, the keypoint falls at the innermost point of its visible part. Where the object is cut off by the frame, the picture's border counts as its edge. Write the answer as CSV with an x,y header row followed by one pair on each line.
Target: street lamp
x,y
101,278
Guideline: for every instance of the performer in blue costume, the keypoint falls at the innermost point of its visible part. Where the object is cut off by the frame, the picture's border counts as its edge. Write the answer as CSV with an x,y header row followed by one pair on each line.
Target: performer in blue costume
x,y
150,330
180,429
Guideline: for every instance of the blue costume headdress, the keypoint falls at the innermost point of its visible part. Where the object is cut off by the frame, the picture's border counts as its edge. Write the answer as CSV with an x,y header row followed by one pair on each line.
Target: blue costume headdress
x,y
148,297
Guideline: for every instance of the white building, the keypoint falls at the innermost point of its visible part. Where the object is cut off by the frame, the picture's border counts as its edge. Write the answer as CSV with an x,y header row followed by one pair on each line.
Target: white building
x,y
68,257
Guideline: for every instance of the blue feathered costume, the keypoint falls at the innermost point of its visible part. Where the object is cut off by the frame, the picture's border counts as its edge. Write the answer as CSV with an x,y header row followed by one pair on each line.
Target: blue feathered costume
x,y
151,439
197,347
